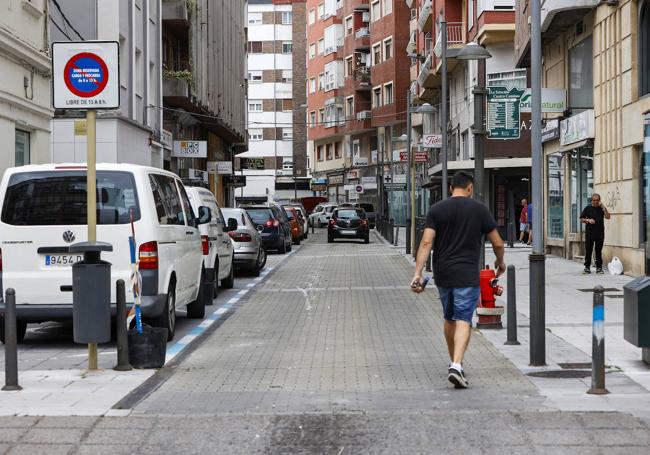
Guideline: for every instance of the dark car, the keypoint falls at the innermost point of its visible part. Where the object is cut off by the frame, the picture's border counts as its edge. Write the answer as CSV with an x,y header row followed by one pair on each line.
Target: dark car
x,y
272,223
348,223
370,212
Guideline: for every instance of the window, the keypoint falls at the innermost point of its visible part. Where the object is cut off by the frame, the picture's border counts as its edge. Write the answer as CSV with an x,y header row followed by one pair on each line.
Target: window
x,y
321,11
644,49
287,17
414,14
254,105
508,79
337,150
555,187
312,119
349,66
375,11
256,134
321,116
255,47
376,97
321,82
328,149
22,143
388,48
321,46
376,54
254,77
312,50
470,14
286,47
287,76
581,81
319,153
388,7
349,25
312,85
333,37
187,207
349,107
287,134
254,18
388,93
287,104
312,16
166,199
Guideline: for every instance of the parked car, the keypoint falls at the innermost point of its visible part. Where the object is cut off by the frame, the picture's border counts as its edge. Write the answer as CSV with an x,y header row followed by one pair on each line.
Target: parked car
x,y
348,223
217,248
296,224
313,216
302,218
247,241
272,223
370,212
322,217
44,212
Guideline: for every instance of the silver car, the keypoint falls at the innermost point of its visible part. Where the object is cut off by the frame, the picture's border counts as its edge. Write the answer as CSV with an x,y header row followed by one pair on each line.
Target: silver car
x,y
247,241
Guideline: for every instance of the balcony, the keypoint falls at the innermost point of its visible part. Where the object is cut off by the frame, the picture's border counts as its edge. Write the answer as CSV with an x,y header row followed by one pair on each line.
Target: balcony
x,y
363,32
455,37
176,88
426,14
362,79
425,78
175,11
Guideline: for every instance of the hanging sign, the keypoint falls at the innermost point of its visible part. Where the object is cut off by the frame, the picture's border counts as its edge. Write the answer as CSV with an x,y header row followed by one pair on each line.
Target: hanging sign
x,y
432,141
86,75
190,149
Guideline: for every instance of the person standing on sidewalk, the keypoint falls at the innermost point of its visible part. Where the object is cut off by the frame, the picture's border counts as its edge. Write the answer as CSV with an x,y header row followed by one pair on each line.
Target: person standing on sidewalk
x,y
594,216
455,228
529,218
523,220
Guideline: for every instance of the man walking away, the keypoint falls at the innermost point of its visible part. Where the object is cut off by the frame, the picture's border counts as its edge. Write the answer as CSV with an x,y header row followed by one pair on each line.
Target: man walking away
x,y
455,228
593,217
523,220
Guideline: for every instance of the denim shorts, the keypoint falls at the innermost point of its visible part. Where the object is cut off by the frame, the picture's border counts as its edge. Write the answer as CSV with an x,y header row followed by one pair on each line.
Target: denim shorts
x,y
458,304
523,227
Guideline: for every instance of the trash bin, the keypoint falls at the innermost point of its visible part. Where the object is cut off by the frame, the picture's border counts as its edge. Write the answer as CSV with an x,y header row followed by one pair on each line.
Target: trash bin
x,y
636,312
91,294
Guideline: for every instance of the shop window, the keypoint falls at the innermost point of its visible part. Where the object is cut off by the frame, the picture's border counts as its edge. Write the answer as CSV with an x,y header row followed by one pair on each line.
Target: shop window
x,y
581,80
582,184
644,49
555,191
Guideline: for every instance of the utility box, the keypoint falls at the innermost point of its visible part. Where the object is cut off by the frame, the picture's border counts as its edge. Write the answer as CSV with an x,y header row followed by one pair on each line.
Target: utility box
x,y
91,294
636,312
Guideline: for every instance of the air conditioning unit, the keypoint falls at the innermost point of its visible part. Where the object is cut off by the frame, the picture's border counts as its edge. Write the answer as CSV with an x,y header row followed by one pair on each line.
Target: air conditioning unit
x,y
364,115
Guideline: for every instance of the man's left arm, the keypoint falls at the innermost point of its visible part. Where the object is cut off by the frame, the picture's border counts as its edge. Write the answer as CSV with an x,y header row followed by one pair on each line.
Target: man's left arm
x,y
606,213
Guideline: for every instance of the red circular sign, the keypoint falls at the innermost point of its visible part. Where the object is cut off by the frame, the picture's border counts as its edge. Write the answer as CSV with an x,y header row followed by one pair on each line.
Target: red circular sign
x,y
86,74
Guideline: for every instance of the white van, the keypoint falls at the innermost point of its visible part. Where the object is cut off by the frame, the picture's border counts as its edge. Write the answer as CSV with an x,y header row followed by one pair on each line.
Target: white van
x,y
218,250
44,212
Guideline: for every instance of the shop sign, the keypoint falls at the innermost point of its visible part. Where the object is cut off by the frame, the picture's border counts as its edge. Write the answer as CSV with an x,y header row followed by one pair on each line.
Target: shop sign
x,y
196,174
353,174
395,186
190,149
373,156
348,187
256,164
368,180
553,100
224,167
503,113
577,127
420,157
360,161
166,139
432,141
551,130
335,180
233,180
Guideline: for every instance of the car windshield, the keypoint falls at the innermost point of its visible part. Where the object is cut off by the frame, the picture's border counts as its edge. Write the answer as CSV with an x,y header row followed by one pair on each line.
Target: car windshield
x,y
51,198
367,207
330,209
349,213
260,216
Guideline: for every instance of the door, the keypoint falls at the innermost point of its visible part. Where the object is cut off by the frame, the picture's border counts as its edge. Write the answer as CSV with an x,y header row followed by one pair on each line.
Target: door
x,y
192,261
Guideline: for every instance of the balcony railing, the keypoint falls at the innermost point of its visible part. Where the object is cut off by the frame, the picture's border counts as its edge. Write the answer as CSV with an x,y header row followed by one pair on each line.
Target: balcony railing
x,y
362,74
363,32
425,15
426,68
454,37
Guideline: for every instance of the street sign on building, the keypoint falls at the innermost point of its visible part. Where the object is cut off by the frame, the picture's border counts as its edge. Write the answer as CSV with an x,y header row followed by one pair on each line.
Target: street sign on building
x,y
503,113
234,180
86,75
358,189
432,141
224,167
256,164
551,130
190,149
553,100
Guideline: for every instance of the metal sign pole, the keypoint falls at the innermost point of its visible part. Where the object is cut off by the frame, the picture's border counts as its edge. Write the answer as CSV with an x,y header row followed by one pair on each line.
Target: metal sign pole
x,y
91,185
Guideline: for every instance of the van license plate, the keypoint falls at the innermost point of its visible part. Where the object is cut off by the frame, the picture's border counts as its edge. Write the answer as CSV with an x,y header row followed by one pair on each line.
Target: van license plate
x,y
62,260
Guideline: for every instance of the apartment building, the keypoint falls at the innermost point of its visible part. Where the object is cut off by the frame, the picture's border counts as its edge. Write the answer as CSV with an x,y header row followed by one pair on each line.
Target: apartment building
x,y
25,92
598,53
204,89
356,90
490,23
132,133
276,119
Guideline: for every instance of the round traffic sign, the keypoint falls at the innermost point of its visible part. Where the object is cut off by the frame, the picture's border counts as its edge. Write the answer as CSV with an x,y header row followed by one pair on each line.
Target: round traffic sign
x,y
359,188
85,74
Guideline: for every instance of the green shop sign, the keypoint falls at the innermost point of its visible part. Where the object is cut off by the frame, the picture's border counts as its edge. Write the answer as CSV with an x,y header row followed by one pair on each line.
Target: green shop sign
x,y
503,112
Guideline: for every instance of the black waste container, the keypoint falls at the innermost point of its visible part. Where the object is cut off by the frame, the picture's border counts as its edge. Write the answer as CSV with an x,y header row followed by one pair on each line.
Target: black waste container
x,y
91,294
636,312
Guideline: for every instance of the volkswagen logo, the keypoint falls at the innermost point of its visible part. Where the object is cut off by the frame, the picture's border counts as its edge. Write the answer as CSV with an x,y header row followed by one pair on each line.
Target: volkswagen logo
x,y
68,236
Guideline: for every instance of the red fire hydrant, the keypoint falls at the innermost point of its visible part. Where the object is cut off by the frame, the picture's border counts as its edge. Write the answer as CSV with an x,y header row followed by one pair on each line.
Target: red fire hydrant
x,y
489,314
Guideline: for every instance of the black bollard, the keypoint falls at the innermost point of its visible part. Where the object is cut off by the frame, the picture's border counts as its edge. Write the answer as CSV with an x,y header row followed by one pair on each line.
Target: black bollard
x,y
122,335
511,233
598,344
512,307
11,343
396,236
391,230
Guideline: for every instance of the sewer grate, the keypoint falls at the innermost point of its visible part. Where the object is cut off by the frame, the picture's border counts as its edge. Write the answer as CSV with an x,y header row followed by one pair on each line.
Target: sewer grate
x,y
561,374
605,290
575,366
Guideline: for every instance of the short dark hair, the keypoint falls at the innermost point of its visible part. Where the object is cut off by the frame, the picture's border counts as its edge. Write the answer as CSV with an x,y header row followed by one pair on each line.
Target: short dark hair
x,y
462,180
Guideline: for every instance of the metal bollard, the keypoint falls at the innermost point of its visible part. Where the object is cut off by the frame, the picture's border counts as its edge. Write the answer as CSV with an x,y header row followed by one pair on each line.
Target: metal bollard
x,y
11,343
122,335
396,236
391,230
598,344
313,227
512,307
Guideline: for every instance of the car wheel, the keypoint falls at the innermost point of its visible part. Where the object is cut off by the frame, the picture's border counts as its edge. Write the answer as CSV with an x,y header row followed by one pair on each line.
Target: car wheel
x,y
289,245
168,318
215,288
229,281
283,248
263,256
196,309
298,240
305,235
21,330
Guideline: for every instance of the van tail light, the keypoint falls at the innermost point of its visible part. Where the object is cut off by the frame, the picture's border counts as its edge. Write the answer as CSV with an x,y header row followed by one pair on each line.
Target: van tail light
x,y
205,244
240,236
148,256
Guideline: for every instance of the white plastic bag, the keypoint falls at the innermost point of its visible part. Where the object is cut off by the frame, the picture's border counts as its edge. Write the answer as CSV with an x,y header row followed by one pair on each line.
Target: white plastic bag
x,y
616,266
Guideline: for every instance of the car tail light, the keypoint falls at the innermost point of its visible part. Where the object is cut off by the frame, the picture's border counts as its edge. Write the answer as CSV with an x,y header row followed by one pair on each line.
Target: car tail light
x,y
240,236
148,256
205,244
272,223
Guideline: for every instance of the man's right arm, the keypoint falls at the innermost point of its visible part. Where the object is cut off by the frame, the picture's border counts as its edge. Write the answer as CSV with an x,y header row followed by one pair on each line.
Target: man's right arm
x,y
499,251
421,258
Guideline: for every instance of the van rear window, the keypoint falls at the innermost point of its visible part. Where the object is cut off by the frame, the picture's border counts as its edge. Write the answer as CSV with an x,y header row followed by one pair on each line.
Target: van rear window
x,y
51,198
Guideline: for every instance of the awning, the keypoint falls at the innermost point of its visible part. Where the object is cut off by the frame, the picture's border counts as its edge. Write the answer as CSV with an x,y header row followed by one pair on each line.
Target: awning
x,y
468,165
575,145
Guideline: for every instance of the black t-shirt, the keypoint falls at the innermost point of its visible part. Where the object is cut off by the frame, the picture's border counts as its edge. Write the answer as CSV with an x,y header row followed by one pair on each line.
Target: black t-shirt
x,y
594,231
460,223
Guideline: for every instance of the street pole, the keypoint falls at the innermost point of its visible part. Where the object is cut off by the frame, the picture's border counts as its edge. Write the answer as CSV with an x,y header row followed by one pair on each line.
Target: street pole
x,y
410,179
537,258
479,143
443,108
91,200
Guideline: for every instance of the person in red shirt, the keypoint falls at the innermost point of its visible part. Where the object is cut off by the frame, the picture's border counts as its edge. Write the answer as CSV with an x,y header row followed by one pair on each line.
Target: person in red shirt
x,y
523,220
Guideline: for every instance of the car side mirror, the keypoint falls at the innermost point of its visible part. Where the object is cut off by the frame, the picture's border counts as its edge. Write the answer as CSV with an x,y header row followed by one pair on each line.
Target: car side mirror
x,y
205,215
232,224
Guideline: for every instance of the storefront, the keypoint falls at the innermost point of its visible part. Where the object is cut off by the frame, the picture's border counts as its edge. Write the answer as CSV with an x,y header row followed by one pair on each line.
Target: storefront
x,y
335,188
